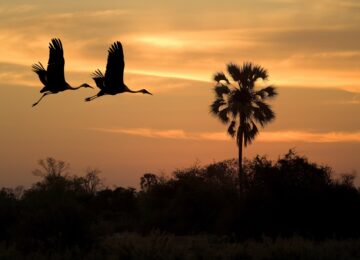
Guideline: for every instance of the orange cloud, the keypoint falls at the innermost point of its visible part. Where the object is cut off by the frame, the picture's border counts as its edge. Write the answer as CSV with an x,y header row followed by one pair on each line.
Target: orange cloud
x,y
292,136
277,136
159,40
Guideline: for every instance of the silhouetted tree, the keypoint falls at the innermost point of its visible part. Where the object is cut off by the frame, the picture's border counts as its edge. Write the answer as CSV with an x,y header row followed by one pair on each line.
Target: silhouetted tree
x,y
51,167
286,197
348,179
148,180
241,106
9,207
91,181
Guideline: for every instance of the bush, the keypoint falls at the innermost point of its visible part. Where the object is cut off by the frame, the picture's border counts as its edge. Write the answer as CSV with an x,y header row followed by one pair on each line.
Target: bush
x,y
285,198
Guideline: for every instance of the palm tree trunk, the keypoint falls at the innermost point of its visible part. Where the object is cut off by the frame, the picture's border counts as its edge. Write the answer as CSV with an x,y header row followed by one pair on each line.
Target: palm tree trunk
x,y
240,173
240,146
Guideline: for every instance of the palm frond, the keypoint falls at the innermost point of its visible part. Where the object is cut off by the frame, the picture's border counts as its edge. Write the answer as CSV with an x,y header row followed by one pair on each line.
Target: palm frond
x,y
246,69
221,90
265,109
259,72
246,75
216,105
250,73
234,71
234,102
263,113
269,92
250,132
240,100
234,110
231,129
223,115
220,76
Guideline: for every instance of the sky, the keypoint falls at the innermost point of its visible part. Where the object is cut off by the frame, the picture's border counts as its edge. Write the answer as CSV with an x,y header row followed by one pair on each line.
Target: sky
x,y
311,50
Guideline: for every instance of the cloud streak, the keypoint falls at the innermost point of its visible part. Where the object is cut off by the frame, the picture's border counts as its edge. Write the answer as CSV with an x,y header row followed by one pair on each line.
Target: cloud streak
x,y
276,136
160,40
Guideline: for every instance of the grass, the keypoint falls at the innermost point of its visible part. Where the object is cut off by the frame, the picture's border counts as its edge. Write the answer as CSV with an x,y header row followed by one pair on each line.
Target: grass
x,y
166,246
163,246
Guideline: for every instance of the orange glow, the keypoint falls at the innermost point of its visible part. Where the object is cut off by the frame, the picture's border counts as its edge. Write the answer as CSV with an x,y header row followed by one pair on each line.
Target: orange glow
x,y
278,136
173,50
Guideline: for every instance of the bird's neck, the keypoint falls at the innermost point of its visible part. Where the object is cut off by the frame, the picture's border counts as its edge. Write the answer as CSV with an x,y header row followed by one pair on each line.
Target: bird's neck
x,y
132,91
135,91
75,88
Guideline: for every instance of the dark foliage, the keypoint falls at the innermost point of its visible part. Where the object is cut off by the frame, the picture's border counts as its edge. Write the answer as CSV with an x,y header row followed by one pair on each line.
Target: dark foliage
x,y
291,196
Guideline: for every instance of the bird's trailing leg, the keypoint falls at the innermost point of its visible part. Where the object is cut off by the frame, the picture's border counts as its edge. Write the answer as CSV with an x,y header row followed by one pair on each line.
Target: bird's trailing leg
x,y
37,102
91,98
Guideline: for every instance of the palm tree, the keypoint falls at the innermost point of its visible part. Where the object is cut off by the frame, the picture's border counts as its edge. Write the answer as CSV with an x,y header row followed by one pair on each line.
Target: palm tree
x,y
241,106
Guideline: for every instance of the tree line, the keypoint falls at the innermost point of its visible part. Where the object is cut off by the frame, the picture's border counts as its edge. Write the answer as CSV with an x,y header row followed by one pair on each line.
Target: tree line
x,y
282,198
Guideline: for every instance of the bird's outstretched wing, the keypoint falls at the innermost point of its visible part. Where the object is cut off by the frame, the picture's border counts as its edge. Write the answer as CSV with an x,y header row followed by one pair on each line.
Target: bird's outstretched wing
x,y
98,77
114,75
40,70
55,69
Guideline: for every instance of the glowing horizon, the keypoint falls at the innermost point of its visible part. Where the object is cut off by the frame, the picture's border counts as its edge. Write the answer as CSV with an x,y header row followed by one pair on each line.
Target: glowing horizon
x,y
264,136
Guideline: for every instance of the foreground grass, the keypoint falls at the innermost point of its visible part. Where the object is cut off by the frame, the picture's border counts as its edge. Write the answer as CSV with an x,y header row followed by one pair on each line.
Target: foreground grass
x,y
158,246
165,246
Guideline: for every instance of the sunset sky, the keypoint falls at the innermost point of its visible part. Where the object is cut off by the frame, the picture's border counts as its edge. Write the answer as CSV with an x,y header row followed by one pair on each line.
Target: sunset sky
x,y
311,50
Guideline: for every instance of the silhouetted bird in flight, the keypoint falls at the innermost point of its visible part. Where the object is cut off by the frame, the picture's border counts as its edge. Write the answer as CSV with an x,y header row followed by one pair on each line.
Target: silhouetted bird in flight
x,y
113,81
53,78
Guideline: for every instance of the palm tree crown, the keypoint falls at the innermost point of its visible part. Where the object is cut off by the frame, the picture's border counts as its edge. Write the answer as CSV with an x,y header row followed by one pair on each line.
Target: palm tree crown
x,y
240,105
